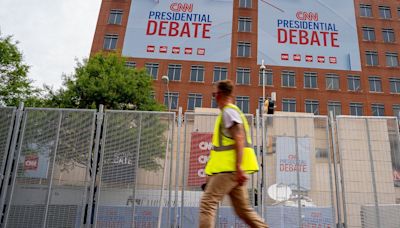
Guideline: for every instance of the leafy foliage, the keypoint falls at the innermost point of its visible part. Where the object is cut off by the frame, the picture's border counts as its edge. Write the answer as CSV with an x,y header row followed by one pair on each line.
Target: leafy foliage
x,y
15,86
104,79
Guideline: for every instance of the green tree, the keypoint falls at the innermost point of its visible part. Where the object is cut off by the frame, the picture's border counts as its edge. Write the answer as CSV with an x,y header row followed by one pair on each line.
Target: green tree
x,y
15,86
104,79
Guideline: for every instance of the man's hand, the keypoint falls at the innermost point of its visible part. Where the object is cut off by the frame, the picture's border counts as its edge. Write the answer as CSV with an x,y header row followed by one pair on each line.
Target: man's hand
x,y
241,177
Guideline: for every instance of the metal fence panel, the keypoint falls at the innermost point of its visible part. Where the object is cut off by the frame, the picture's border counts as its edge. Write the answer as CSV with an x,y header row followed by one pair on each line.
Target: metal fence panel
x,y
7,116
134,186
370,158
51,176
299,186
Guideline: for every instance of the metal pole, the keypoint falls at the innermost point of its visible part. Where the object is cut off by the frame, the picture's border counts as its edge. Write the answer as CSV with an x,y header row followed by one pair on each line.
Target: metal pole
x,y
100,172
263,182
52,170
183,173
16,161
177,166
259,174
296,142
136,168
87,195
371,159
160,211
170,175
99,122
341,176
16,122
338,206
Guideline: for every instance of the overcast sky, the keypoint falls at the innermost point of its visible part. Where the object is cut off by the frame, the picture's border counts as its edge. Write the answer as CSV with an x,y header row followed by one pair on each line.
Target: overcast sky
x,y
52,34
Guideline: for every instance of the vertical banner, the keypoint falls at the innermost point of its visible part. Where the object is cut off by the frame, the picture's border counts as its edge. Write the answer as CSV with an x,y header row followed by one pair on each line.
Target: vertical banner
x,y
287,165
308,33
196,30
200,146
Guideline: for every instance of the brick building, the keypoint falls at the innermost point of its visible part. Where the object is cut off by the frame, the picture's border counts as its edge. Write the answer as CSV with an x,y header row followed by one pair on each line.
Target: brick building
x,y
373,91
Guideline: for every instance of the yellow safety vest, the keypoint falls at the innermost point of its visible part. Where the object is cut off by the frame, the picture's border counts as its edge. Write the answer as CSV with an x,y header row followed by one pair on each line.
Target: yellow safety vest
x,y
223,155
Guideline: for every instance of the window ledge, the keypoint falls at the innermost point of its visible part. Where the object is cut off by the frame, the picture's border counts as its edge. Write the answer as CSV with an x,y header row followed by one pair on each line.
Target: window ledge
x,y
396,94
311,88
376,92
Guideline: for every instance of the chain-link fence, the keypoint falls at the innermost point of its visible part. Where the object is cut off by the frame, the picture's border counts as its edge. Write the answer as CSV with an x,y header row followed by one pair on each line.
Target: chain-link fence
x,y
88,168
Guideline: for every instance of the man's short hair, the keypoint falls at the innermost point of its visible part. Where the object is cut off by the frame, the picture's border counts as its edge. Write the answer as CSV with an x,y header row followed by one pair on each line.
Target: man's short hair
x,y
225,87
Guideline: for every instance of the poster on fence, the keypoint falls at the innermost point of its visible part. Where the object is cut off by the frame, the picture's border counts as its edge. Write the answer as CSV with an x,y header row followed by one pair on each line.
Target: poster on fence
x,y
200,146
287,165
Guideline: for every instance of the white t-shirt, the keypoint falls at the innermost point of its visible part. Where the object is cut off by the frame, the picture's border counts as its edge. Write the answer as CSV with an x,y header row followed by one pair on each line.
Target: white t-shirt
x,y
230,116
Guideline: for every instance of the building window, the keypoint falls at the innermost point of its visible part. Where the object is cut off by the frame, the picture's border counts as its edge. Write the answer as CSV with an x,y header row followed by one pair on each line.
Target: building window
x,y
332,81
194,101
288,105
375,84
310,80
356,109
197,73
372,58
130,64
152,69
394,85
213,103
391,59
288,79
243,103
398,11
115,17
220,73
388,35
243,49
244,24
353,83
378,109
368,33
171,99
396,110
312,106
245,3
365,10
174,72
110,42
268,77
243,76
335,107
384,12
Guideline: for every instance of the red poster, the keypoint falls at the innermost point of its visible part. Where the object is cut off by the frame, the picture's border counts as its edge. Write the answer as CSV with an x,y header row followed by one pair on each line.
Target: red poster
x,y
200,147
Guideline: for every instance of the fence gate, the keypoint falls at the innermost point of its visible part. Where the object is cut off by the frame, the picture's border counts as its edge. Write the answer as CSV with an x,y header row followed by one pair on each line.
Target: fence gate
x,y
51,179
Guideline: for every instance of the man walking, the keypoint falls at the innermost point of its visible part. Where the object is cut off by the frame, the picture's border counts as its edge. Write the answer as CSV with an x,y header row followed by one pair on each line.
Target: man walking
x,y
231,158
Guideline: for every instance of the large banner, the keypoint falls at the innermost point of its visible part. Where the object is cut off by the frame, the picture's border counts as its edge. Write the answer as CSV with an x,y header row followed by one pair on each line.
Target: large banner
x,y
288,164
198,30
308,33
200,147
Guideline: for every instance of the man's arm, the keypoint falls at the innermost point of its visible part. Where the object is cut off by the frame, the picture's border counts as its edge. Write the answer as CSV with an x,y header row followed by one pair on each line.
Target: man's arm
x,y
237,133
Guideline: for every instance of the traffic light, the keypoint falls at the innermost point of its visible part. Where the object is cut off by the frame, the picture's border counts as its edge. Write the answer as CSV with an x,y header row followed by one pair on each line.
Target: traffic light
x,y
269,106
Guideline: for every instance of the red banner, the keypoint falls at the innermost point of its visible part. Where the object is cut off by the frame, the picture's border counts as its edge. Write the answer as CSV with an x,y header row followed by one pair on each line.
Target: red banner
x,y
200,147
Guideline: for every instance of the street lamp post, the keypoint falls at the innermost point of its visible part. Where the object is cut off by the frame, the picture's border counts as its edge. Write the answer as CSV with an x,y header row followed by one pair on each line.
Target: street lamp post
x,y
262,67
261,191
165,79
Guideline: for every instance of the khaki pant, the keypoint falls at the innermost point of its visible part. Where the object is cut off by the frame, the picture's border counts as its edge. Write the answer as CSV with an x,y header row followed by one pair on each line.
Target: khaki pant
x,y
219,185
